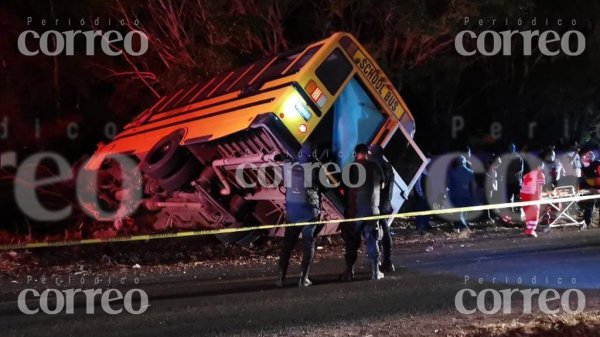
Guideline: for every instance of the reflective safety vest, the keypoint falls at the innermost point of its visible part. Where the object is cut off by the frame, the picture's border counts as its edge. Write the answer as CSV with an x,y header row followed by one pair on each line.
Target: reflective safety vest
x,y
532,184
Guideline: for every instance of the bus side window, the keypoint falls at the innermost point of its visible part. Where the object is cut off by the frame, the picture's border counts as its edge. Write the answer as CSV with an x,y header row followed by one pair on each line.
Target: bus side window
x,y
333,71
303,60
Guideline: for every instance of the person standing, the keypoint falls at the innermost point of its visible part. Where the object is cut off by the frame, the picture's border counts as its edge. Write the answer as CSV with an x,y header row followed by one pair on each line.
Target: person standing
x,y
493,183
303,204
533,184
572,164
554,170
385,205
590,182
362,200
422,205
512,173
469,156
461,190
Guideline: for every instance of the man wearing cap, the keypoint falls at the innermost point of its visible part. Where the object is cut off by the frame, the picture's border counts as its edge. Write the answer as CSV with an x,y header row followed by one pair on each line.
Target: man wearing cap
x,y
385,205
362,201
303,204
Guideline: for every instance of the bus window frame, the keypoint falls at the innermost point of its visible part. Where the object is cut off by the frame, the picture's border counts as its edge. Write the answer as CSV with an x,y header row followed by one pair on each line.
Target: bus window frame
x,y
362,50
386,117
373,98
413,144
287,71
340,50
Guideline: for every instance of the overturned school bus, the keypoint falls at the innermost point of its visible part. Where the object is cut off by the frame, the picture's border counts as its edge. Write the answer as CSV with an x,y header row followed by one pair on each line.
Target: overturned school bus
x,y
189,144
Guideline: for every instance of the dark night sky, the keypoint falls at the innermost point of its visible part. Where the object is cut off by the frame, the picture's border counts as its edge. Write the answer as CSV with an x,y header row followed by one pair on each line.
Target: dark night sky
x,y
437,84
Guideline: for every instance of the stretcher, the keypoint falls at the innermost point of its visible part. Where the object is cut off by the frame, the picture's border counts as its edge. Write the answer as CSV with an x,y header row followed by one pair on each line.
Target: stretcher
x,y
561,214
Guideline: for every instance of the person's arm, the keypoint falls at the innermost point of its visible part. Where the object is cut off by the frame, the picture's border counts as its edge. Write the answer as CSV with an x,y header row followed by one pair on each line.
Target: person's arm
x,y
449,181
317,180
382,176
521,170
379,178
542,185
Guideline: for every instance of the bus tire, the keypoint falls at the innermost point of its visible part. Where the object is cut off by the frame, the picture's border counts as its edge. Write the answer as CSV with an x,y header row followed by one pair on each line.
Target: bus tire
x,y
165,157
186,173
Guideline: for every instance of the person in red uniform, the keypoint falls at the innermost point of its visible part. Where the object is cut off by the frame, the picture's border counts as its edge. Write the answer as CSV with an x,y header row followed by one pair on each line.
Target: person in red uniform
x,y
531,190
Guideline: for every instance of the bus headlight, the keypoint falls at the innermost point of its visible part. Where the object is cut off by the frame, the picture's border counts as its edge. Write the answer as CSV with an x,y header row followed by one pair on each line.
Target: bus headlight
x,y
295,103
302,110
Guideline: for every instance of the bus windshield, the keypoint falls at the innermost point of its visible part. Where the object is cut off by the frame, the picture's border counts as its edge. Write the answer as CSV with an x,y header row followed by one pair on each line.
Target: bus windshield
x,y
356,121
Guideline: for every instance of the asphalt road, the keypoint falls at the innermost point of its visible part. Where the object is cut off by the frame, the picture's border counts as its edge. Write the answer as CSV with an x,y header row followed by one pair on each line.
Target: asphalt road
x,y
241,300
559,260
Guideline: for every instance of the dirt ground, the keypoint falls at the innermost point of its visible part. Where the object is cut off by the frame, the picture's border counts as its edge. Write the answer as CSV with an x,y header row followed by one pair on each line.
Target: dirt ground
x,y
176,254
583,325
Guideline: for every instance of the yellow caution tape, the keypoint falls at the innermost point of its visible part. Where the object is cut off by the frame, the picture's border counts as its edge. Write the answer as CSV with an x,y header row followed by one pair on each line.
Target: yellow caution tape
x,y
284,225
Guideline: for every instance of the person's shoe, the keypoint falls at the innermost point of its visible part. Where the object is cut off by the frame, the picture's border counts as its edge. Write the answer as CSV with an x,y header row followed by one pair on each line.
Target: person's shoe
x,y
304,282
347,275
280,283
387,267
531,233
376,275
464,232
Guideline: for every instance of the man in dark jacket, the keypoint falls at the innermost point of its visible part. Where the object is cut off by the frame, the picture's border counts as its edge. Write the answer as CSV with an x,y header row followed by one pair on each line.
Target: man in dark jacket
x,y
461,190
422,204
362,201
303,204
513,168
590,182
385,205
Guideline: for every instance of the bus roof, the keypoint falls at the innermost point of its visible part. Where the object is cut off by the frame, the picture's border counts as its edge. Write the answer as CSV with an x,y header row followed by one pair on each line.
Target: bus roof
x,y
245,80
231,101
248,79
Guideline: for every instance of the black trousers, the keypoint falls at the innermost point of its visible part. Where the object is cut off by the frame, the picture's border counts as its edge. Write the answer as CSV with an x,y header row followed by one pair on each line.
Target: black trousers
x,y
422,221
513,192
386,241
290,239
352,233
588,210
513,195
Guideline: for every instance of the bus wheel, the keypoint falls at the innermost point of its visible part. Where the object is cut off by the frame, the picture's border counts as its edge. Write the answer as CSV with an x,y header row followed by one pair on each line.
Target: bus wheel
x,y
165,157
186,173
